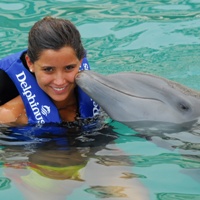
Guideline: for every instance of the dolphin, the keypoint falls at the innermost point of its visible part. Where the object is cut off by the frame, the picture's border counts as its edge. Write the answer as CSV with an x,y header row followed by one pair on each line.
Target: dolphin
x,y
143,101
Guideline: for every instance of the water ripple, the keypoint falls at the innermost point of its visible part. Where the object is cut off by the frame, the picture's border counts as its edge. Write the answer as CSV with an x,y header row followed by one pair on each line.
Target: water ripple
x,y
159,37
11,6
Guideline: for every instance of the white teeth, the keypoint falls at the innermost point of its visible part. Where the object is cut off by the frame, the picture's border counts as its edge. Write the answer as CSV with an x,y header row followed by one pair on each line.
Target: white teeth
x,y
59,89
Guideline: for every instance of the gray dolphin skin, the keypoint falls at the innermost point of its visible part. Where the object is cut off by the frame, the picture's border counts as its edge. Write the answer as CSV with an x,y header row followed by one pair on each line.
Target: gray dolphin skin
x,y
143,101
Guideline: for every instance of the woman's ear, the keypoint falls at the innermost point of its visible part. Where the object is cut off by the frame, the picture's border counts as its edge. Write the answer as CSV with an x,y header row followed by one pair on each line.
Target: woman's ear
x,y
29,63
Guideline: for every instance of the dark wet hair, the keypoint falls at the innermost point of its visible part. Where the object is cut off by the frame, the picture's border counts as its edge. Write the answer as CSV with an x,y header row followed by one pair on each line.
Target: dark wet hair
x,y
53,33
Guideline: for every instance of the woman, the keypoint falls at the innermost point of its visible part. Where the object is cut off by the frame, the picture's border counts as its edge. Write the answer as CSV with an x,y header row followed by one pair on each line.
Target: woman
x,y
47,69
43,74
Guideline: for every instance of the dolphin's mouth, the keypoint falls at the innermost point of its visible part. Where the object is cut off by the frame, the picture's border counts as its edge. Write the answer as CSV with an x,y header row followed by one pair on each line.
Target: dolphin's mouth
x,y
113,88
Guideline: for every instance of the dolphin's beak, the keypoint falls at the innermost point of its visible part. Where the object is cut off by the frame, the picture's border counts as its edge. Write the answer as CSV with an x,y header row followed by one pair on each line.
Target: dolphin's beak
x,y
78,75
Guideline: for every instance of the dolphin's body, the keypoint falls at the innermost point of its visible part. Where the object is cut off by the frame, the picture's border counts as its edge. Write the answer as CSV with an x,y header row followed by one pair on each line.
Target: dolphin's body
x,y
143,101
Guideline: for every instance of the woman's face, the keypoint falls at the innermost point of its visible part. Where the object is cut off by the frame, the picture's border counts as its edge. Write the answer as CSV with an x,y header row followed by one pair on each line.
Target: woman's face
x,y
55,72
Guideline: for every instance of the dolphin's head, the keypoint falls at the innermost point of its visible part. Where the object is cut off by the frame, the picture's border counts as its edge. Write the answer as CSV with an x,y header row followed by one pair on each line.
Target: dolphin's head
x,y
130,97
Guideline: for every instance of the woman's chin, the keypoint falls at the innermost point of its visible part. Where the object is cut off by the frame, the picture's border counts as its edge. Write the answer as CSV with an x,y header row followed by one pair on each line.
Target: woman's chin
x,y
59,99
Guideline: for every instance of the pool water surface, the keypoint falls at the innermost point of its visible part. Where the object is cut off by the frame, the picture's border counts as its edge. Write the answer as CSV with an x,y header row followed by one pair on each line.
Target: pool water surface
x,y
115,162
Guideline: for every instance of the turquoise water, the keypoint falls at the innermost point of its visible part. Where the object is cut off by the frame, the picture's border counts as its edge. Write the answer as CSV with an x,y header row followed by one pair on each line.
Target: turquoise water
x,y
159,37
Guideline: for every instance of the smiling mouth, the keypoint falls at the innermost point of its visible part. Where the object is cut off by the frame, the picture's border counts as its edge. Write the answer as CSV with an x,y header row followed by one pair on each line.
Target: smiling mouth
x,y
59,89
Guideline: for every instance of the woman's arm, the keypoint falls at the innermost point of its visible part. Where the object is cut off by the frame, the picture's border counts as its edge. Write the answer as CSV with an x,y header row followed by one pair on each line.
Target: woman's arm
x,y
13,112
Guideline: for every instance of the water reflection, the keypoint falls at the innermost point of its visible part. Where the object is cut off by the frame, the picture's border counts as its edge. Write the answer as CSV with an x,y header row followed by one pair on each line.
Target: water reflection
x,y
4,183
53,167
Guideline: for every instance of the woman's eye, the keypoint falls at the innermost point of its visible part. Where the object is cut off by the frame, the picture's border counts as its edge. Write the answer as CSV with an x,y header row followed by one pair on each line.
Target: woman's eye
x,y
48,69
70,67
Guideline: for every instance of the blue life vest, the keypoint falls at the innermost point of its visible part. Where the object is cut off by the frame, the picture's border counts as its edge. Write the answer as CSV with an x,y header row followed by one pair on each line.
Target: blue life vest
x,y
39,107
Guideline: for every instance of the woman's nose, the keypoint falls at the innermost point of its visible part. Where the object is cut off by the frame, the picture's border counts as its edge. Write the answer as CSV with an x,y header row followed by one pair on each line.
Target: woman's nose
x,y
59,78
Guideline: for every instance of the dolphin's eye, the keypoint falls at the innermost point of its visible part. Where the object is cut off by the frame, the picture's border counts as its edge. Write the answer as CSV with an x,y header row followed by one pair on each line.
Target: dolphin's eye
x,y
183,107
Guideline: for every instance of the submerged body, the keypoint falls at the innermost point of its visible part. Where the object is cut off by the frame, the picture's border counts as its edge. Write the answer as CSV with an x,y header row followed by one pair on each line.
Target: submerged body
x,y
143,101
